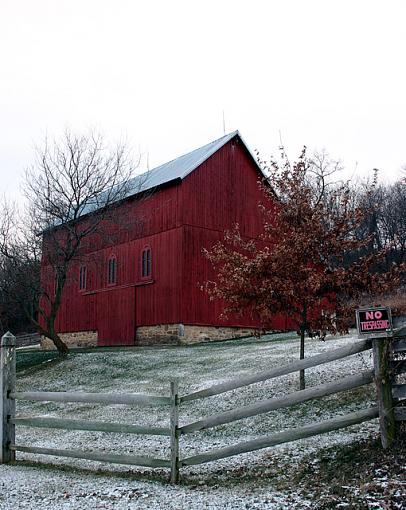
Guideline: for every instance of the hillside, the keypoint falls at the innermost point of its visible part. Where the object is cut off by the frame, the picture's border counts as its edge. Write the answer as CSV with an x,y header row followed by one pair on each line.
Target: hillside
x,y
345,468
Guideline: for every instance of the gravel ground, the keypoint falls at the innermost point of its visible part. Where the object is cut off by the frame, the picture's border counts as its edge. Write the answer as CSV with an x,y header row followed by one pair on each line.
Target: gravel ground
x,y
256,480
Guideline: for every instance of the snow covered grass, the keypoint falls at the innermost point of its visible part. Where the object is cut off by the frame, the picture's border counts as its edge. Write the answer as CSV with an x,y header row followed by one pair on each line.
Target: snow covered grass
x,y
264,479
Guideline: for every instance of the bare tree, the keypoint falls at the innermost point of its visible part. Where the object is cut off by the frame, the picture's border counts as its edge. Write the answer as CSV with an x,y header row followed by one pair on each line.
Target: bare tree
x,y
73,191
384,207
393,220
323,174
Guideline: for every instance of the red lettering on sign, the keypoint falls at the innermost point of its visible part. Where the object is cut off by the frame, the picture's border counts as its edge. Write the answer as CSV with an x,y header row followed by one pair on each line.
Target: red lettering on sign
x,y
374,325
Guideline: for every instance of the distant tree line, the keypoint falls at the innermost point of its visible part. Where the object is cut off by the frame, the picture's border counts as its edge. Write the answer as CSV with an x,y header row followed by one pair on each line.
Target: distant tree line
x,y
384,224
384,220
383,207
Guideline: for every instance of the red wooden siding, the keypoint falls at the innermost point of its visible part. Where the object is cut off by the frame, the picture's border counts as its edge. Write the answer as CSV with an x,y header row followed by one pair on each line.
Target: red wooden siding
x,y
139,223
159,302
224,191
137,218
196,305
116,316
116,310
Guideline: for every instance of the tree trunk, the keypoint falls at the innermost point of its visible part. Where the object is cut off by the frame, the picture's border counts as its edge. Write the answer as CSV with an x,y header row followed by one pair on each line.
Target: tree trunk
x,y
54,337
302,383
303,327
51,333
59,344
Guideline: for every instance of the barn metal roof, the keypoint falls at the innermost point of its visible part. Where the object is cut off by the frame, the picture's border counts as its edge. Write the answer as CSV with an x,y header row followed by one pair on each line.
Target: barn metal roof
x,y
174,170
178,168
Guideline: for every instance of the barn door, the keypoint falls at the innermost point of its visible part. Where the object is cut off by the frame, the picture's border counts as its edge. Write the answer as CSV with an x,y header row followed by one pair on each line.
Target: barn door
x,y
116,316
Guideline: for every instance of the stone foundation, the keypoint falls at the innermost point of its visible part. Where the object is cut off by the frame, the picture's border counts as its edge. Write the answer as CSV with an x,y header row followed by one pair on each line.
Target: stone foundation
x,y
180,334
163,334
76,339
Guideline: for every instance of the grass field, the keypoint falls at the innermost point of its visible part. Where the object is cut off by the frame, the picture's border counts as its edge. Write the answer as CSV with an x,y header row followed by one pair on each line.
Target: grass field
x,y
330,471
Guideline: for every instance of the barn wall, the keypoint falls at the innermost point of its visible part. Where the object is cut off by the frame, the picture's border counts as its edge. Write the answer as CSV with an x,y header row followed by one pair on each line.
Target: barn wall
x,y
196,305
223,191
137,218
135,224
159,303
116,310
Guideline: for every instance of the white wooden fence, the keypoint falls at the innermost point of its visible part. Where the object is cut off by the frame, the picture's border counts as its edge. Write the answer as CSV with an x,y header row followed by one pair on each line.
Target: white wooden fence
x,y
390,400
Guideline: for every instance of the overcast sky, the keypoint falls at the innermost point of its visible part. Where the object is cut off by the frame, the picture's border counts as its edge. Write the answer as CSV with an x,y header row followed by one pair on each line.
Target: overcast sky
x,y
160,73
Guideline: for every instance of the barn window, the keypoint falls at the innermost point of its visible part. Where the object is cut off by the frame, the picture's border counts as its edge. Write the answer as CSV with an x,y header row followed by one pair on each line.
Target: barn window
x,y
146,263
82,277
112,271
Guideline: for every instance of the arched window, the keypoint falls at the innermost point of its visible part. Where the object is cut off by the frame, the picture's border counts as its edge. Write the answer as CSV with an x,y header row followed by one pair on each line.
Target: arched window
x,y
112,271
146,262
82,277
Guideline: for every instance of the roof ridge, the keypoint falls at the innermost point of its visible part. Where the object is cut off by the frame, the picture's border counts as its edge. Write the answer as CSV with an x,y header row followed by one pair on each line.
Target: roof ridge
x,y
228,135
216,145
177,168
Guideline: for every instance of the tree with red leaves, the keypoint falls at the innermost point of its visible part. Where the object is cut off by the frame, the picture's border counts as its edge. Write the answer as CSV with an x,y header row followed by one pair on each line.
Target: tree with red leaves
x,y
308,264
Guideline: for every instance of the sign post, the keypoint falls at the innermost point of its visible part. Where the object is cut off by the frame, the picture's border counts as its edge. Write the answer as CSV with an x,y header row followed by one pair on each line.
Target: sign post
x,y
376,323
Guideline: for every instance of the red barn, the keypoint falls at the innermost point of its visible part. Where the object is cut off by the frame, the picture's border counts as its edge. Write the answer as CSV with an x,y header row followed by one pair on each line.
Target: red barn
x,y
145,288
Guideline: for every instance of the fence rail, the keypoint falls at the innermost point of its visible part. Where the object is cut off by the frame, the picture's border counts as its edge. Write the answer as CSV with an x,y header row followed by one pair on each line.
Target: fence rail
x,y
131,460
272,404
399,345
400,413
8,419
296,366
94,426
398,367
284,437
28,340
399,391
389,395
91,398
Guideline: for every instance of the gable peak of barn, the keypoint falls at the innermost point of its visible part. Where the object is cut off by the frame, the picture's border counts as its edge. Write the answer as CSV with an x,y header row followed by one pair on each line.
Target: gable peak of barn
x,y
179,168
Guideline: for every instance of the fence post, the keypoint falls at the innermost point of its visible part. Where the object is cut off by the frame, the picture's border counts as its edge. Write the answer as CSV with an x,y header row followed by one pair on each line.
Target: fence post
x,y
387,424
7,405
174,432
